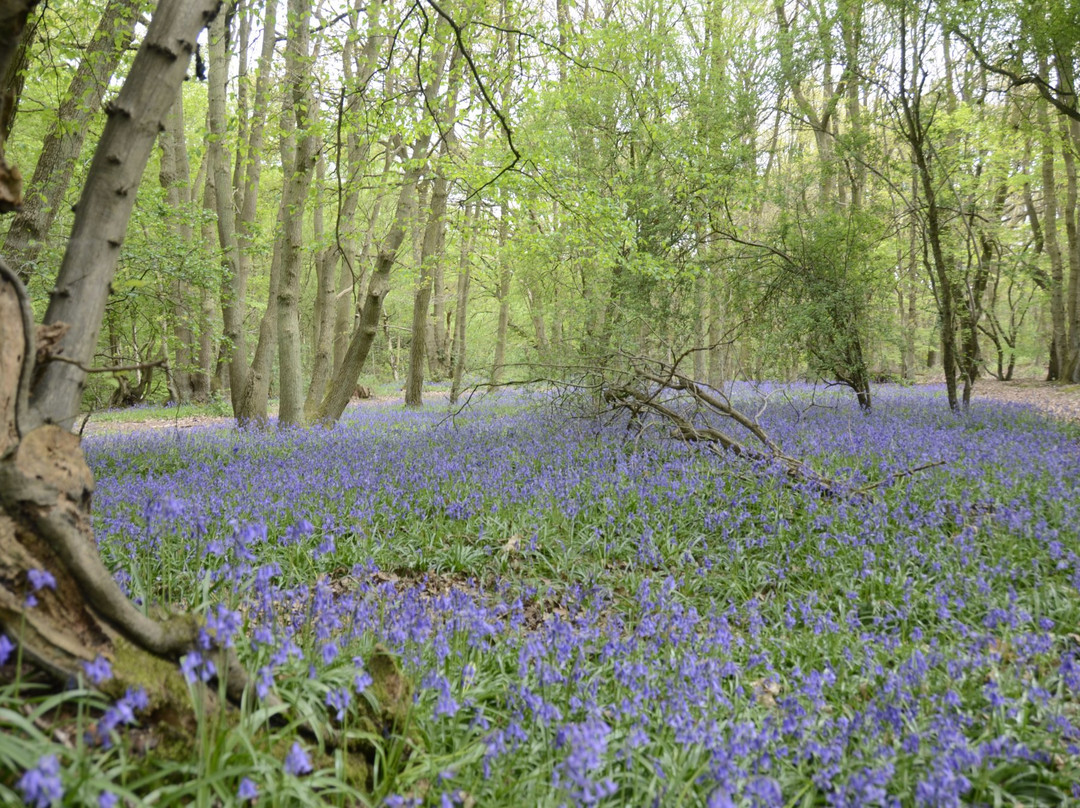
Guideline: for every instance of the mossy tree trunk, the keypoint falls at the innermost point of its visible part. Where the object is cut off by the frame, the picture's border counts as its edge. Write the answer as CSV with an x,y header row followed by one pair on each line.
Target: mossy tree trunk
x,y
45,485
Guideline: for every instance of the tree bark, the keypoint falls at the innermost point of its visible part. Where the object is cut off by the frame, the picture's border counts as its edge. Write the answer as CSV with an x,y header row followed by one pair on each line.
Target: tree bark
x,y
431,250
297,118
457,348
13,77
700,320
175,177
717,335
322,329
344,381
506,277
45,485
1051,243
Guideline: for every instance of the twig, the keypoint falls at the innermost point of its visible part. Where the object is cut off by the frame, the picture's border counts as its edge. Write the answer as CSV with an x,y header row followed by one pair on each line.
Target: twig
x,y
111,369
897,475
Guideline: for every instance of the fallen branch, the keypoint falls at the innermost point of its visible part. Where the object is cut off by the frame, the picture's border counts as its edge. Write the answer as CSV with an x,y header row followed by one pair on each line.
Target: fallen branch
x,y
646,385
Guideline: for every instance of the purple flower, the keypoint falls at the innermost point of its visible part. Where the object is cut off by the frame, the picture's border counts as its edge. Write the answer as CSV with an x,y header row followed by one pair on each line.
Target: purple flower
x,y
6,647
195,666
339,699
41,579
106,799
99,671
40,786
247,791
122,712
329,652
224,623
297,761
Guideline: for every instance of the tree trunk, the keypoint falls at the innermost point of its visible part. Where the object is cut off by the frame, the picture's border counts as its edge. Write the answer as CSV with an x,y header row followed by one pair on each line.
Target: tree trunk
x,y
175,178
351,272
14,76
344,381
700,319
249,386
1071,136
322,331
431,251
1050,241
457,348
64,141
429,254
297,113
506,275
45,485
717,337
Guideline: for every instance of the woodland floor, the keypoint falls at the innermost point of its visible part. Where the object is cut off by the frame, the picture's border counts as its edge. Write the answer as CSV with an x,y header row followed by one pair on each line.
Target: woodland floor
x,y
1057,400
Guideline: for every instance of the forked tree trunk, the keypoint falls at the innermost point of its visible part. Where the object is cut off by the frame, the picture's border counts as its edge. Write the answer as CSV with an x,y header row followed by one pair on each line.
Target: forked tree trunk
x,y
367,326
322,330
45,484
249,386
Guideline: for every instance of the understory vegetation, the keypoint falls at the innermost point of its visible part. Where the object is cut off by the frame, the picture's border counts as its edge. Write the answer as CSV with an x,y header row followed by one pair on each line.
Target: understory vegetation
x,y
510,606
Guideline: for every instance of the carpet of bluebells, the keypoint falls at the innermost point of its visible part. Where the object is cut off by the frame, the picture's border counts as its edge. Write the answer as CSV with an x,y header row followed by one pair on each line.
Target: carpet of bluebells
x,y
597,615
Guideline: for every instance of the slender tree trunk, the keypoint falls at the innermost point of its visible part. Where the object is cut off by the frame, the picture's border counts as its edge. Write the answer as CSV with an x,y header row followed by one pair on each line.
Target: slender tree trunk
x,y
14,77
297,114
175,177
234,280
363,335
344,381
457,348
506,276
717,335
429,254
250,385
1071,139
64,141
351,271
325,311
1050,241
439,351
431,250
701,326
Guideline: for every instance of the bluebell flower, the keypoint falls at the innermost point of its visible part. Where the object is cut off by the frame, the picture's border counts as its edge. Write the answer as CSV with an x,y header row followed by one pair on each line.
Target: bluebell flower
x,y
247,791
40,785
297,762
99,671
